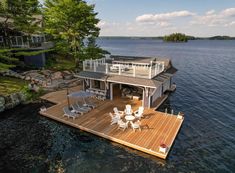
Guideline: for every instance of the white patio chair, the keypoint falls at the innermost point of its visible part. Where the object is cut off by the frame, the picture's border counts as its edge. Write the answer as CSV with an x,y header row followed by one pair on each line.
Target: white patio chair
x,y
139,112
128,110
117,112
114,119
136,125
122,124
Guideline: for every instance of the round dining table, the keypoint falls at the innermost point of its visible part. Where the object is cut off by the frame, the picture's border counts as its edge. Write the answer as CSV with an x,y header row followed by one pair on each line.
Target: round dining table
x,y
129,118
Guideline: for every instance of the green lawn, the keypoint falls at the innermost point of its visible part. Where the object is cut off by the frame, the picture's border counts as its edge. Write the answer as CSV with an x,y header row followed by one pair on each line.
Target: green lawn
x,y
10,85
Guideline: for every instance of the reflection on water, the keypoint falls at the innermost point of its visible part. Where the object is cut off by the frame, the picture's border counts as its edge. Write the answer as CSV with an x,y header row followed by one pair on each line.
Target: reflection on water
x,y
206,142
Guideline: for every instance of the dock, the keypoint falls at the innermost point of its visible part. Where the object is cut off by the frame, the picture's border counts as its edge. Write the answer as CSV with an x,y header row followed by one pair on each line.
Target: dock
x,y
157,127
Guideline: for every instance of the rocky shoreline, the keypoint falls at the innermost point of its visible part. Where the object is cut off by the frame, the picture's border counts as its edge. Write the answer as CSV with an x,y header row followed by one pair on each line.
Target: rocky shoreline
x,y
12,100
47,80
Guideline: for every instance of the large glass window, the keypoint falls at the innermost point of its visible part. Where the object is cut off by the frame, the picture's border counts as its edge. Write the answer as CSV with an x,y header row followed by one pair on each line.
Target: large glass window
x,y
19,40
13,40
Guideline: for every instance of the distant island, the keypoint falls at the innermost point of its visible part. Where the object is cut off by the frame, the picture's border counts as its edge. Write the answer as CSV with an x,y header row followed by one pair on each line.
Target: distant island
x,y
175,37
161,37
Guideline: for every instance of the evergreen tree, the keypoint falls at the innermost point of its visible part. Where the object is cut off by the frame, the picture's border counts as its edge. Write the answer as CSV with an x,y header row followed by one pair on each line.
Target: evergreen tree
x,y
70,22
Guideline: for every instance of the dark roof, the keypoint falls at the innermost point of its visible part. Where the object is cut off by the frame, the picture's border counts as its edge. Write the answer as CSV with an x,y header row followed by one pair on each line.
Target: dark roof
x,y
162,77
120,79
171,70
134,81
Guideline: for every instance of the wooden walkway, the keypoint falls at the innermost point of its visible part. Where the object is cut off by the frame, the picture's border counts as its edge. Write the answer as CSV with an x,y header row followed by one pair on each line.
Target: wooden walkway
x,y
157,127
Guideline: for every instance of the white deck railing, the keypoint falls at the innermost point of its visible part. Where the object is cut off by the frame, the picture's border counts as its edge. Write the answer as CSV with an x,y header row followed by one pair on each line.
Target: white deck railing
x,y
134,70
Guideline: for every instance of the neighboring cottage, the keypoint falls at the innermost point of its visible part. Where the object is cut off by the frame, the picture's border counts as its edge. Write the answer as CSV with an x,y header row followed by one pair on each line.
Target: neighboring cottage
x,y
142,78
18,39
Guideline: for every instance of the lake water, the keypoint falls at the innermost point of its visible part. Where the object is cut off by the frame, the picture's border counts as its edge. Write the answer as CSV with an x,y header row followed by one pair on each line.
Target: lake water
x,y
206,142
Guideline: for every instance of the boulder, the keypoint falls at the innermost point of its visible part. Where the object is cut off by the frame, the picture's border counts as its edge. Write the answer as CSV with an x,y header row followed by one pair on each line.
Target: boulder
x,y
57,75
12,100
27,78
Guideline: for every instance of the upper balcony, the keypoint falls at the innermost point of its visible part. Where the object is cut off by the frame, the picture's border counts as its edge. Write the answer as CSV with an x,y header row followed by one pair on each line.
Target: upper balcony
x,y
126,66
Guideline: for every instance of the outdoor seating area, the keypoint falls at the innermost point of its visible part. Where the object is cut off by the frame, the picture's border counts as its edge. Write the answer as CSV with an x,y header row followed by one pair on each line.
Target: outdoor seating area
x,y
77,108
122,120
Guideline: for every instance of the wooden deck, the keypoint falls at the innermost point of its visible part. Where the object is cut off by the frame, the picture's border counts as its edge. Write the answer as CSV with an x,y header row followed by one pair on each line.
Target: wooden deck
x,y
157,127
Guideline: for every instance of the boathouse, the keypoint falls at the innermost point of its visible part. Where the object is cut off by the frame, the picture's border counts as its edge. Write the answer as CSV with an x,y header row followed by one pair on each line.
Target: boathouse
x,y
142,78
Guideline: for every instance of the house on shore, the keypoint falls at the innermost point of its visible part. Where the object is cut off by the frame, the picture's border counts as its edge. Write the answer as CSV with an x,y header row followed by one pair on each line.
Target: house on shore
x,y
143,78
13,38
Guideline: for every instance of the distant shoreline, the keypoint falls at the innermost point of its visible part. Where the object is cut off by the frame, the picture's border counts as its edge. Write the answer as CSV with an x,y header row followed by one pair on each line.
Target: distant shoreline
x,y
161,38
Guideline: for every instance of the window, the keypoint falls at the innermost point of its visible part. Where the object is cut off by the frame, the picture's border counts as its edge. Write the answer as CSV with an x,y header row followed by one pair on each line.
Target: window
x,y
19,40
13,41
42,39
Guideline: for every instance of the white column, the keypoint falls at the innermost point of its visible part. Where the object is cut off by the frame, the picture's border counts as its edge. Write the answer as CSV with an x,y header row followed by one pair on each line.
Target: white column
x,y
94,62
156,69
83,63
106,68
119,70
150,70
133,71
162,66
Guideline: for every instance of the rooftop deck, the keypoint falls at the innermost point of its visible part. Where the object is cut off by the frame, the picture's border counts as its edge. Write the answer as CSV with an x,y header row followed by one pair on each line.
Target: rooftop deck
x,y
157,127
126,66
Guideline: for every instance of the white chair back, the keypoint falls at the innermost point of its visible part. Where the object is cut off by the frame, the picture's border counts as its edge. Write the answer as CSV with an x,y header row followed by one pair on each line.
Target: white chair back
x,y
115,110
128,109
141,110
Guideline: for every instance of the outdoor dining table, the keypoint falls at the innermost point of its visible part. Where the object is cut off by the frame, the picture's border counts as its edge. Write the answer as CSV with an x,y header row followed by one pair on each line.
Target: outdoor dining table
x,y
129,118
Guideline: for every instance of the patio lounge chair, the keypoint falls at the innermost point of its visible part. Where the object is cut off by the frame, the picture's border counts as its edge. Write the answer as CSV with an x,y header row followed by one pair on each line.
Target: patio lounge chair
x,y
114,119
68,113
128,110
86,108
136,125
90,104
122,124
117,112
139,112
77,109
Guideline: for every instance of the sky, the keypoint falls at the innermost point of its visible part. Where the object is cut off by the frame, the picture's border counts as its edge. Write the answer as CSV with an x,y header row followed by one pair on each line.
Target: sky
x,y
157,17
202,18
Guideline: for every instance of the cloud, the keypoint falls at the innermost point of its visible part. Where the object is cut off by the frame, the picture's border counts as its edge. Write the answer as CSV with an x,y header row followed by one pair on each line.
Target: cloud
x,y
212,18
206,24
230,12
230,24
210,12
163,16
